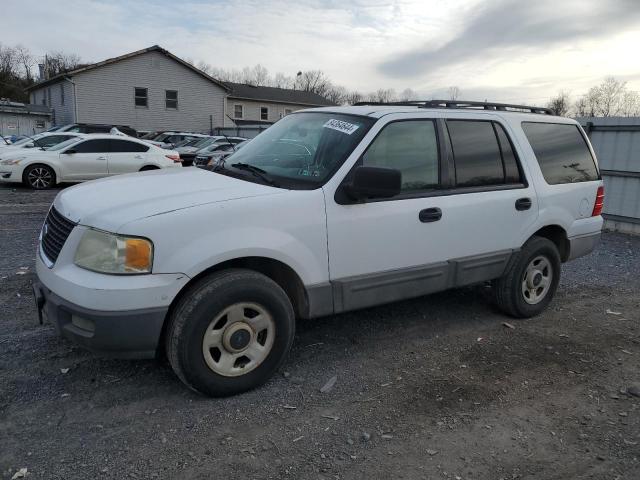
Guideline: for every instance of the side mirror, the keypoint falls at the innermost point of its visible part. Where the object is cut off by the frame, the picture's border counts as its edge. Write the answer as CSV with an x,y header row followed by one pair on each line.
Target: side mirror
x,y
71,150
374,182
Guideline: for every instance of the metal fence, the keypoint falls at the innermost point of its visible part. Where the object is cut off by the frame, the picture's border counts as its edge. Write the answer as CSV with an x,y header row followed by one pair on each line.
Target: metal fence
x,y
247,132
616,141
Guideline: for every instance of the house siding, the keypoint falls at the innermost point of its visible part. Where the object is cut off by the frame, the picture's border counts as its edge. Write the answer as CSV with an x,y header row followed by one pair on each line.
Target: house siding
x,y
106,95
62,113
251,110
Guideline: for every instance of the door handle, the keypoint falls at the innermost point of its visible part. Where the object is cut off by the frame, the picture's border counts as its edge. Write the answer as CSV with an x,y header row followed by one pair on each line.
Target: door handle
x,y
523,204
101,158
138,157
430,215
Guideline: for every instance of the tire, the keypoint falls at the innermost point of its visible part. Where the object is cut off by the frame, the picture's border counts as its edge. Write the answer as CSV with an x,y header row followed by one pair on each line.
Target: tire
x,y
148,167
39,177
230,307
516,292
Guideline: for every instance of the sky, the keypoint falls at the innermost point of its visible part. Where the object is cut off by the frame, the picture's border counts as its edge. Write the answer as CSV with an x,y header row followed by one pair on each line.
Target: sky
x,y
521,51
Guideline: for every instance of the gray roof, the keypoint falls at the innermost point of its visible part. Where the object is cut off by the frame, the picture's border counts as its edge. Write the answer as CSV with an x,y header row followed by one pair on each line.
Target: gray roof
x,y
155,48
277,95
28,108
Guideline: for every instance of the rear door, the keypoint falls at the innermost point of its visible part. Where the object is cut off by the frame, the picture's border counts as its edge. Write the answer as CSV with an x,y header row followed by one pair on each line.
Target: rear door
x,y
126,156
86,160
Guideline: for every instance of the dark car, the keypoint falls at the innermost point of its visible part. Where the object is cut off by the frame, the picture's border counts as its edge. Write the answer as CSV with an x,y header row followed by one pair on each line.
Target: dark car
x,y
97,128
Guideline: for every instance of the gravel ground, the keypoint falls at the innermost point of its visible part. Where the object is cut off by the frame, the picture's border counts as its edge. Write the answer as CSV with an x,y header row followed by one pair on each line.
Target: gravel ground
x,y
436,387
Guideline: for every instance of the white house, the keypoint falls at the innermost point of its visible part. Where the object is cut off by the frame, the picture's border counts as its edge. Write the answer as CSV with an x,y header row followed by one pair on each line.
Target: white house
x,y
150,89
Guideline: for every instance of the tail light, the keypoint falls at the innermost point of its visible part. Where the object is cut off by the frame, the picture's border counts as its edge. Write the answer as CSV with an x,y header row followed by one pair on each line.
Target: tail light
x,y
174,157
597,206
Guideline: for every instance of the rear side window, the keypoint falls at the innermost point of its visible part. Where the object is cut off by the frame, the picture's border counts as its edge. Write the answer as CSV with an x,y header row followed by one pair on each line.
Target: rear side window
x,y
482,153
92,146
412,148
561,151
122,146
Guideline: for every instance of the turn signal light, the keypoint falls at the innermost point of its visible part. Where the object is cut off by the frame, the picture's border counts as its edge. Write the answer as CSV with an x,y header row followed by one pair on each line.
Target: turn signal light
x,y
597,206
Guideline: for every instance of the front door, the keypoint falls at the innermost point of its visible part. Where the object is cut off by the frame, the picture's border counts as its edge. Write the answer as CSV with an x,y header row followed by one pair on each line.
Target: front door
x,y
454,223
86,160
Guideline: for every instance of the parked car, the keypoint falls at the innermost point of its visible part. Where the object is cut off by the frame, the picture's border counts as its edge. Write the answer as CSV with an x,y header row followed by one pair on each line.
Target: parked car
x,y
215,144
41,140
329,210
98,128
5,140
195,144
171,139
86,158
214,158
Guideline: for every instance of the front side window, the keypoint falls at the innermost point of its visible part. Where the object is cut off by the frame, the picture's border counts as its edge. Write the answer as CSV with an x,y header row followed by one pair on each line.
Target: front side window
x,y
562,152
171,99
98,145
238,111
125,146
412,148
264,113
483,154
302,150
141,97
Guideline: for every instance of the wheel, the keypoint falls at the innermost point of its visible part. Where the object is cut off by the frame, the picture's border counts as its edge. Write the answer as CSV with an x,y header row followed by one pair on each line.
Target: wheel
x,y
530,282
148,167
39,177
230,332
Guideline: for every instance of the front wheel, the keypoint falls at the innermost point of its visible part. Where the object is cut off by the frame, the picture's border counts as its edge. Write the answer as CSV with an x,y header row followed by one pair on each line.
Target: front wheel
x,y
528,285
230,332
39,177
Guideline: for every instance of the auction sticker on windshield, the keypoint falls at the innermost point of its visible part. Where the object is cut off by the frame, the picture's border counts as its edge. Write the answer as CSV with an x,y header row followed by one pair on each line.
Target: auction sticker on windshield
x,y
339,125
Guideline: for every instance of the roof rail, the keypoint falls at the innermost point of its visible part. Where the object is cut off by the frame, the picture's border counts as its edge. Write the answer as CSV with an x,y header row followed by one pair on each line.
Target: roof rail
x,y
502,107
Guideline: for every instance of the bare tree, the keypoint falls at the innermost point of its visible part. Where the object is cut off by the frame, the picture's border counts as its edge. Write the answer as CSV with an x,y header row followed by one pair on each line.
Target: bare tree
x,y
313,81
336,94
560,104
354,97
630,104
280,80
26,60
59,62
383,95
407,94
454,93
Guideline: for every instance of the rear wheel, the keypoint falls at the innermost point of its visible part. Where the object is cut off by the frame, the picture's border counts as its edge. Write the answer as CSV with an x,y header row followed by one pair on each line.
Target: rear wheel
x,y
230,332
39,177
530,282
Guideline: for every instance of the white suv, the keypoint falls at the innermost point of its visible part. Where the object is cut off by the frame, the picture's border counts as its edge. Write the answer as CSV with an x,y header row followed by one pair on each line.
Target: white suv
x,y
330,209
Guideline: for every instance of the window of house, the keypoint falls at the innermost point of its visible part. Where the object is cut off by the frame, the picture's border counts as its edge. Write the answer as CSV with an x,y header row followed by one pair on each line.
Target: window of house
x,y
61,94
561,151
238,111
123,146
49,96
264,113
412,148
141,97
171,99
476,152
39,123
44,96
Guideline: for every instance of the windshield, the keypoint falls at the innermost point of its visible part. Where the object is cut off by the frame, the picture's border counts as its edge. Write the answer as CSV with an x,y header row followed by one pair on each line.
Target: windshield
x,y
64,144
304,149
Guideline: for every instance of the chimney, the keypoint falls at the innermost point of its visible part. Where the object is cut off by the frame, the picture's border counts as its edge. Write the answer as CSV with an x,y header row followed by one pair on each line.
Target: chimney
x,y
41,71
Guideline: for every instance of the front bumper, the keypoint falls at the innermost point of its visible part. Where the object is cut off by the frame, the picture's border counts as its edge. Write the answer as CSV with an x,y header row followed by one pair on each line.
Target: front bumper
x,y
121,334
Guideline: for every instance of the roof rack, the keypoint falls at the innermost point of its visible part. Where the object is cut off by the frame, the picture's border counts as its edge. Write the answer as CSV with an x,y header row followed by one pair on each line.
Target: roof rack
x,y
502,107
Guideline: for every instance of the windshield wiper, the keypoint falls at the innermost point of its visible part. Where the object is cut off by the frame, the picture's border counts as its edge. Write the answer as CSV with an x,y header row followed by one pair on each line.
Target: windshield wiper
x,y
257,171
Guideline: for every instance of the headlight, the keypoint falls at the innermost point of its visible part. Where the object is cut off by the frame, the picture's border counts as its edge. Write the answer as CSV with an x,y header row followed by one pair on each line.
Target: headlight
x,y
109,253
12,161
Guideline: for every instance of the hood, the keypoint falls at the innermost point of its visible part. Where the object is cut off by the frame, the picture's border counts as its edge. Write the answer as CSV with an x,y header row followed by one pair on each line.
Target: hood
x,y
185,149
110,203
19,152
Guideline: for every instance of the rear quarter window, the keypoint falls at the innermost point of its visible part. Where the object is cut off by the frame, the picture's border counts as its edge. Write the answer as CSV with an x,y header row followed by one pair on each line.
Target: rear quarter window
x,y
562,152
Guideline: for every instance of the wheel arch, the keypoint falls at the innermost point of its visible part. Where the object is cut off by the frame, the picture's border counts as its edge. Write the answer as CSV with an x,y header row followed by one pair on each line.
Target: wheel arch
x,y
278,271
57,175
558,236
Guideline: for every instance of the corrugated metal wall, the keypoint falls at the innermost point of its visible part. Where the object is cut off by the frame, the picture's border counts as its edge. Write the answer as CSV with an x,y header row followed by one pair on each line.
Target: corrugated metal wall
x,y
616,141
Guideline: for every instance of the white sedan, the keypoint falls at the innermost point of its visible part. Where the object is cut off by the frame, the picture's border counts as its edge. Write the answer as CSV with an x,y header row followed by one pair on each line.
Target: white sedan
x,y
79,159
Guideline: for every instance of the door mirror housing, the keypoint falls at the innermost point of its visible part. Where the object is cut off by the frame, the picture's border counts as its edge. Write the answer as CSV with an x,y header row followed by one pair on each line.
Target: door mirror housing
x,y
374,182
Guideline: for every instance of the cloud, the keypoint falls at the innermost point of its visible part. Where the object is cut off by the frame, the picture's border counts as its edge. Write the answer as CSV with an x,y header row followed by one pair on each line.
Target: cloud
x,y
512,27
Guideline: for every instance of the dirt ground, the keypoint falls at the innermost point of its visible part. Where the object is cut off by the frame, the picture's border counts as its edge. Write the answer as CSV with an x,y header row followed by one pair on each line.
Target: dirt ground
x,y
436,387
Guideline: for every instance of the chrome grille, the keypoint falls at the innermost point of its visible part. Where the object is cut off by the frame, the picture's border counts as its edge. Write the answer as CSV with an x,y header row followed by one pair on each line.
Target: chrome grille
x,y
55,231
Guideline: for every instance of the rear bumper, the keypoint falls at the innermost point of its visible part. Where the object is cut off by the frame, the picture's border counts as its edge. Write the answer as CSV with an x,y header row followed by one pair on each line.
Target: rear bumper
x,y
120,334
582,245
